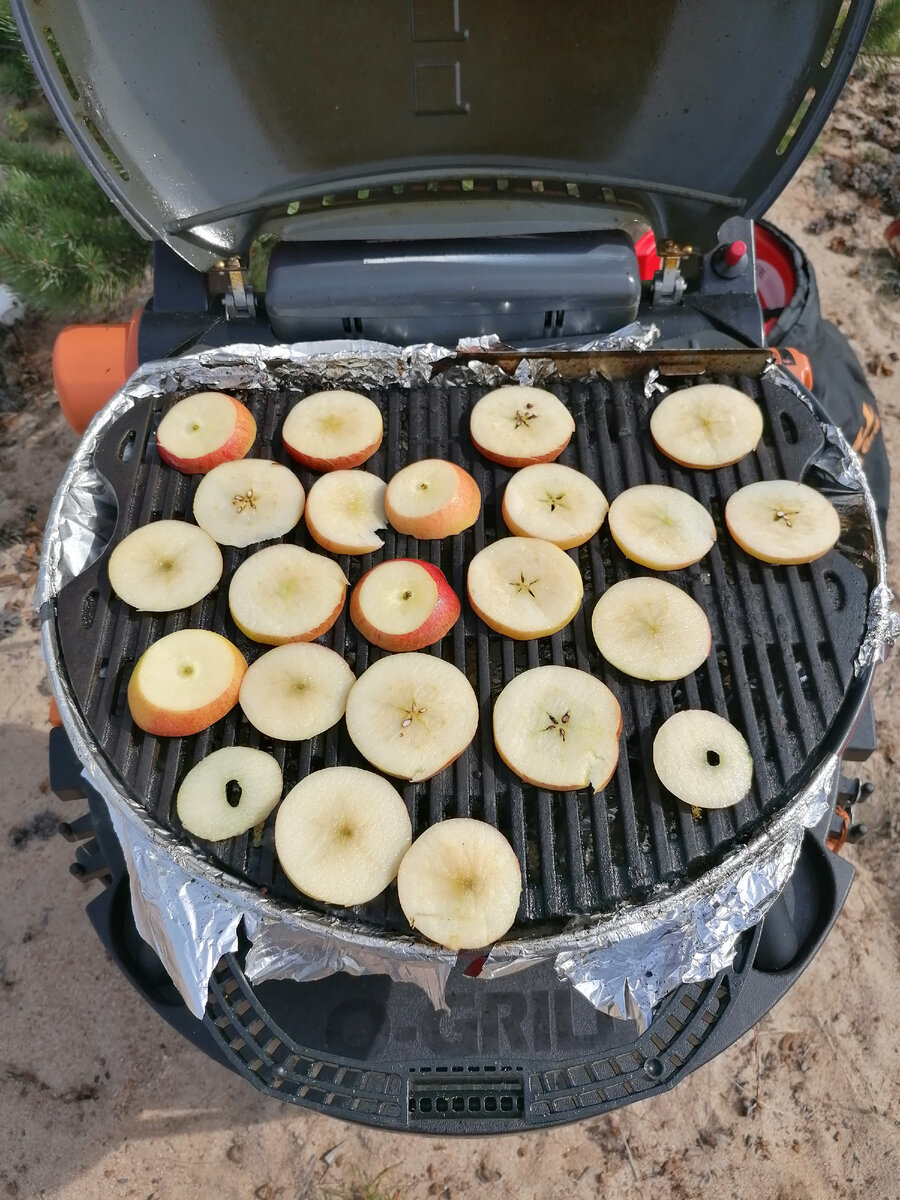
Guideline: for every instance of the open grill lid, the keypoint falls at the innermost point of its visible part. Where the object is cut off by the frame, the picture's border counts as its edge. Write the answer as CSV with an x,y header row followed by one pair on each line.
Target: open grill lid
x,y
207,121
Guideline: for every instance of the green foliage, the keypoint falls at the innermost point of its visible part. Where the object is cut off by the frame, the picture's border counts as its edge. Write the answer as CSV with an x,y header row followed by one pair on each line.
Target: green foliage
x,y
883,37
16,76
63,247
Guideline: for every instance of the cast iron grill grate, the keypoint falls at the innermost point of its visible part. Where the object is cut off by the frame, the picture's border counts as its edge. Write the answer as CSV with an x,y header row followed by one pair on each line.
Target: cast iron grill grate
x,y
784,641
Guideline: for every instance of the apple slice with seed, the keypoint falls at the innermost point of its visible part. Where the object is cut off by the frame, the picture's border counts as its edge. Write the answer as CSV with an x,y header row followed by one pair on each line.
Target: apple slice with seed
x,y
185,682
229,792
651,630
344,510
524,587
296,691
204,430
254,500
780,521
286,594
558,728
432,499
404,604
333,431
164,566
707,426
411,715
660,527
702,759
555,503
517,426
459,884
341,835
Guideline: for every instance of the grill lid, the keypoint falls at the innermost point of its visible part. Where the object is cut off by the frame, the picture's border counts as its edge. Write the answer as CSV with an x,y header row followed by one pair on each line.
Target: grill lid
x,y
205,122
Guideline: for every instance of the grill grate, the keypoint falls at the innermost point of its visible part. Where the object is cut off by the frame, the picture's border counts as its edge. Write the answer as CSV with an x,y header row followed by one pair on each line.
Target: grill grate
x,y
784,640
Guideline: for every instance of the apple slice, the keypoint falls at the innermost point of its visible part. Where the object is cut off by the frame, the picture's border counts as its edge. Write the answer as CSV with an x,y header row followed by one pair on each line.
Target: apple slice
x,y
524,587
651,629
706,426
344,510
164,566
432,499
296,691
784,522
558,728
333,431
660,527
459,884
185,682
254,500
411,715
517,426
341,835
228,792
286,594
405,604
204,430
702,759
554,502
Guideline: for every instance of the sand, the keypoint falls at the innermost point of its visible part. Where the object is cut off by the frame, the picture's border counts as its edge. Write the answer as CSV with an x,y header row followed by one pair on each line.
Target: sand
x,y
99,1098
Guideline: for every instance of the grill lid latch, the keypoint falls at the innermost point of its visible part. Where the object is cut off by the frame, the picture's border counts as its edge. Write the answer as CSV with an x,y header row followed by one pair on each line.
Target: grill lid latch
x,y
668,284
240,303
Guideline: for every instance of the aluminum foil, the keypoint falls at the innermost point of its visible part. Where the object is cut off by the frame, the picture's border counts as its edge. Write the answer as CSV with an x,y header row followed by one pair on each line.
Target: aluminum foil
x,y
190,912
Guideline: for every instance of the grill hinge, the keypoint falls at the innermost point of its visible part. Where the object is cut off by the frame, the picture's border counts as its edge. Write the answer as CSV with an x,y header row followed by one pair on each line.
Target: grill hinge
x,y
668,286
240,303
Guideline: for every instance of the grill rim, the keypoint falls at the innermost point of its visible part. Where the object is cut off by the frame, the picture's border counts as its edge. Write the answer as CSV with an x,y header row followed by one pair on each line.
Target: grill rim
x,y
533,941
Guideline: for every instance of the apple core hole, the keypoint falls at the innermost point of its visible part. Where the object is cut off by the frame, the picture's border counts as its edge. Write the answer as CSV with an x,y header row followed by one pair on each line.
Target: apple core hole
x,y
233,792
195,425
423,487
186,670
712,758
407,595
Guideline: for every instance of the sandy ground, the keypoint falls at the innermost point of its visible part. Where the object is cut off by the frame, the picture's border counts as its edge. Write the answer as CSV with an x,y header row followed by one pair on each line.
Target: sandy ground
x,y
98,1097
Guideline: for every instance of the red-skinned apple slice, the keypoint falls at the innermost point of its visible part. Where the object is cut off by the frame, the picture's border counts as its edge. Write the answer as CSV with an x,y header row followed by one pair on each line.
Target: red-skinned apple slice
x,y
660,527
404,604
164,566
432,499
780,521
651,630
702,759
341,835
254,500
333,431
517,426
459,884
344,510
296,691
204,430
411,715
286,594
555,503
524,587
228,792
558,728
185,682
707,426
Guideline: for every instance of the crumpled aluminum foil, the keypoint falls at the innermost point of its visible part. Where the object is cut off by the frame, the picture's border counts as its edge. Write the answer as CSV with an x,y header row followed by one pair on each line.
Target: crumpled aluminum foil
x,y
190,912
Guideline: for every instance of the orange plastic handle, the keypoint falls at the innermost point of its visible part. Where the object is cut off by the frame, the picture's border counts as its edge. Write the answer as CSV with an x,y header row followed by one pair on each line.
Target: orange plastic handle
x,y
90,364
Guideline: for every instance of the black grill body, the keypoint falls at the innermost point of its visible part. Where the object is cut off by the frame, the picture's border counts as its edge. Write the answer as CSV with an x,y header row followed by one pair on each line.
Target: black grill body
x,y
512,1055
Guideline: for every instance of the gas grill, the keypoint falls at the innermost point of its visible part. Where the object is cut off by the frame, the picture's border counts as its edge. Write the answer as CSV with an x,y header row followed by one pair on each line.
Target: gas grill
x,y
458,240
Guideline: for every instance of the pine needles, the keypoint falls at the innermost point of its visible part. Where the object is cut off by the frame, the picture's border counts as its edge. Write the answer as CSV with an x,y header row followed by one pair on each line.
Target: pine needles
x,y
64,248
